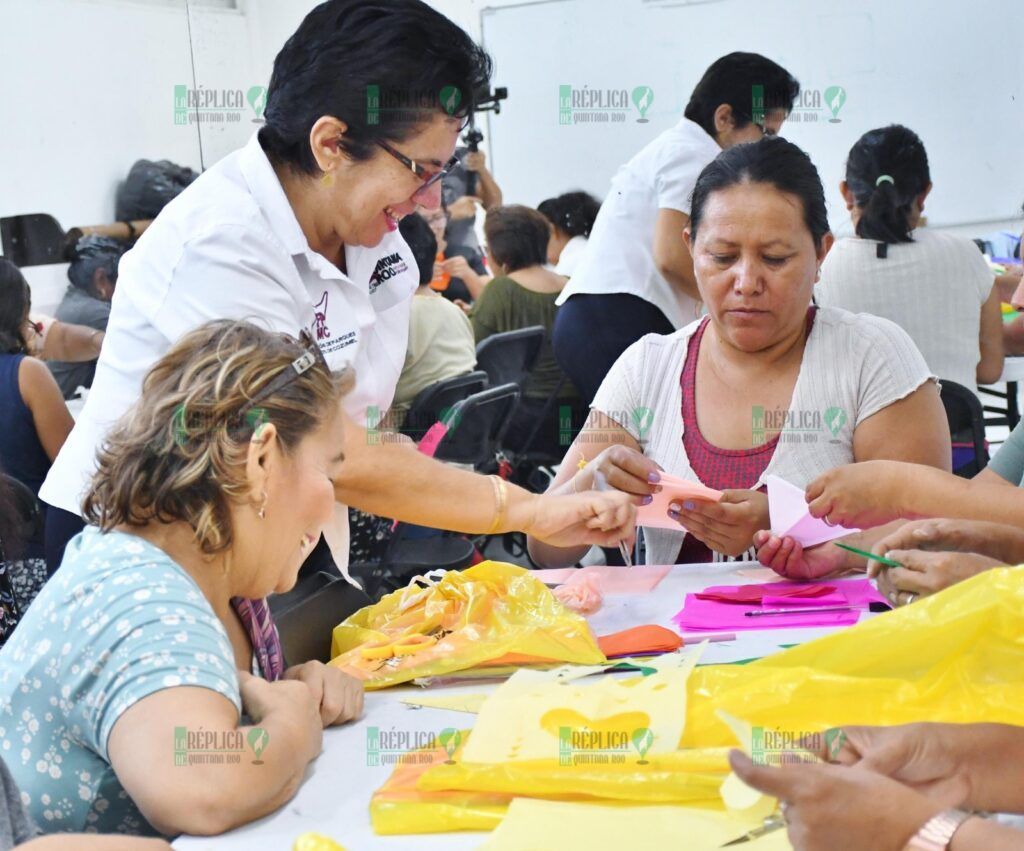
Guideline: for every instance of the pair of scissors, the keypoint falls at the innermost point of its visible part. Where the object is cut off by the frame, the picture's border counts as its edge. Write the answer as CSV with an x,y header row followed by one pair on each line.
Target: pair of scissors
x,y
407,645
774,822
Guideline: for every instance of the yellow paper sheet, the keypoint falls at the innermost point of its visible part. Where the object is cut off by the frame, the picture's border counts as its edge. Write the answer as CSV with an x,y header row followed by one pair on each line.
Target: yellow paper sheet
x,y
455,702
538,825
524,718
737,795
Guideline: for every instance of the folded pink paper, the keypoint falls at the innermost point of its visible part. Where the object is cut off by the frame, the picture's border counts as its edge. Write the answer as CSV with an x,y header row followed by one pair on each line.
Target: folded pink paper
x,y
787,510
612,579
673,489
708,614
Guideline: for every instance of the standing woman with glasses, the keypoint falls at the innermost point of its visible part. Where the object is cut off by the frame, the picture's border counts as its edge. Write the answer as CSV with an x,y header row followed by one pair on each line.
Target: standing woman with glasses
x,y
298,231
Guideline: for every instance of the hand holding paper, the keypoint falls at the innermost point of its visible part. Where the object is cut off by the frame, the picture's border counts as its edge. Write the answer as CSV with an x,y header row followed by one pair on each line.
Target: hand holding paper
x,y
787,508
673,489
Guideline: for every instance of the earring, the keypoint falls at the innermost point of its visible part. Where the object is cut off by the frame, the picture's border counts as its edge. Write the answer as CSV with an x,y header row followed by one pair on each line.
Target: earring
x,y
262,513
328,178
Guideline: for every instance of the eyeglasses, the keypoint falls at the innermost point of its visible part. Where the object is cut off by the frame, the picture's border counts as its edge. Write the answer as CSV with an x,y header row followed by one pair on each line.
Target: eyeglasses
x,y
428,177
302,364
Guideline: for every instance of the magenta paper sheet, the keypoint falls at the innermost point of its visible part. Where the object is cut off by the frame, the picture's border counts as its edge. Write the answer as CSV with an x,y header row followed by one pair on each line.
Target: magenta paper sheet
x,y
712,615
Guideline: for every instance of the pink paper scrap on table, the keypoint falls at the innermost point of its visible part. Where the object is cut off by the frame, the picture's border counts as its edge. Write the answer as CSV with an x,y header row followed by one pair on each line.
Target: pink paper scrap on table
x,y
612,579
709,614
673,489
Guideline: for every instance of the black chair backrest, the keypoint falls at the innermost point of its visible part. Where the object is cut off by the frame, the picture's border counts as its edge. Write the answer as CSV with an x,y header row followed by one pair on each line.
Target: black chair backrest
x,y
433,402
966,424
476,426
507,358
306,616
25,503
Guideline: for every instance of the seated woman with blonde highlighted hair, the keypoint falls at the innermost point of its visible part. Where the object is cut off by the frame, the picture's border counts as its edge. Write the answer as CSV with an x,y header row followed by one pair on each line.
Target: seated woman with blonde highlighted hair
x,y
764,384
209,494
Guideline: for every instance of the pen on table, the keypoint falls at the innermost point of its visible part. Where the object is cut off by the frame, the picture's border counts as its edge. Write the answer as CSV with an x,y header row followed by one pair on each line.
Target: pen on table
x,y
812,610
888,562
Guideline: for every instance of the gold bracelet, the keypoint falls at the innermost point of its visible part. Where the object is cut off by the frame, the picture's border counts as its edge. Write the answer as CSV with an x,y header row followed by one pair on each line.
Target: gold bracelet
x,y
500,503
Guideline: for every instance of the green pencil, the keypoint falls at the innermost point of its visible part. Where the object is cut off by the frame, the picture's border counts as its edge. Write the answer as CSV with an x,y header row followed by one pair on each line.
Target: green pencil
x,y
888,562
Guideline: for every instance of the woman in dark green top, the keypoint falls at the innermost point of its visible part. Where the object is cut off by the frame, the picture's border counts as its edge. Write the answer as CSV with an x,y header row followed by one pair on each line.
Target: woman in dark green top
x,y
522,294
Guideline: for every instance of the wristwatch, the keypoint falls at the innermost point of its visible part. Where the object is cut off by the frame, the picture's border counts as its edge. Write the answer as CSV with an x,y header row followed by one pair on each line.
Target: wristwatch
x,y
937,833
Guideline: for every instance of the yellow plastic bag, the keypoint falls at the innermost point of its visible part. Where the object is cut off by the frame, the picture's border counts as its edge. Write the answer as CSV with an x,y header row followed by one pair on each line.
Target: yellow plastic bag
x,y
465,618
956,657
691,776
398,807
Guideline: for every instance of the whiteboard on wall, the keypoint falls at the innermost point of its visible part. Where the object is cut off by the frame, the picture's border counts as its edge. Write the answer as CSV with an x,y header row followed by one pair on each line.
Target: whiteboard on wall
x,y
952,73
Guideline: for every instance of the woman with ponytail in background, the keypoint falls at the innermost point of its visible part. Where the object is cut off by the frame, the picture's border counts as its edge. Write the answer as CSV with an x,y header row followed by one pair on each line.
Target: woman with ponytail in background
x,y
935,285
572,218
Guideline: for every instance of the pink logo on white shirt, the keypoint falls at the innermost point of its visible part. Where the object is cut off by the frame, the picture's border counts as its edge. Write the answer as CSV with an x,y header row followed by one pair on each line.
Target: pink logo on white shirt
x,y
320,309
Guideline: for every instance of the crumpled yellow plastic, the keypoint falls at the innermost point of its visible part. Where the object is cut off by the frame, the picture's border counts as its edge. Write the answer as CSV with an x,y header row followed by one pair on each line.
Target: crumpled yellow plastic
x,y
954,657
476,614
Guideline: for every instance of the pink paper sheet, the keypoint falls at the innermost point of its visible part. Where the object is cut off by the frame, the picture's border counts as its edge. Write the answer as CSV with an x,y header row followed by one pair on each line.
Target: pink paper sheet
x,y
708,614
612,579
787,510
673,488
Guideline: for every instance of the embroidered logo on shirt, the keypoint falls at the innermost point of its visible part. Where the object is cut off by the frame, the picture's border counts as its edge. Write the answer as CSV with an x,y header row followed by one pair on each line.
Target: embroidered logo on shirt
x,y
387,267
322,332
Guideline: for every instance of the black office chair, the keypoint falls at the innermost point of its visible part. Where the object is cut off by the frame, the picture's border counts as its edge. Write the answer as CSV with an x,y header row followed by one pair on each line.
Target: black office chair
x,y
433,402
966,425
306,615
475,426
507,358
30,529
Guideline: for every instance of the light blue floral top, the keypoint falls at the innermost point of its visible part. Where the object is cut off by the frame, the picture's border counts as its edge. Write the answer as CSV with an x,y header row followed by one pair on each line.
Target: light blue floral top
x,y
119,621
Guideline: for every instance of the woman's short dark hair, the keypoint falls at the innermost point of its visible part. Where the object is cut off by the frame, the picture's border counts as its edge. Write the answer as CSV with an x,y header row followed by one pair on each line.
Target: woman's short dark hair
x,y
773,161
897,156
15,300
574,212
733,79
517,236
91,253
422,243
384,67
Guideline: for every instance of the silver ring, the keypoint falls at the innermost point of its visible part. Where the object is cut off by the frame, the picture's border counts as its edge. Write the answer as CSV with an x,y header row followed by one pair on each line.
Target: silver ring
x,y
827,521
910,597
784,809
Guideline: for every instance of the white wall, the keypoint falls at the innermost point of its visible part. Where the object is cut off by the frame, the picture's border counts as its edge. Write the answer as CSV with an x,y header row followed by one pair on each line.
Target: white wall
x,y
88,89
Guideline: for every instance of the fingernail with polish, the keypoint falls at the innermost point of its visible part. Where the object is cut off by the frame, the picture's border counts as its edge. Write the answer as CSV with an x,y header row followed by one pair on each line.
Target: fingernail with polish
x,y
674,515
688,505
654,477
647,500
673,507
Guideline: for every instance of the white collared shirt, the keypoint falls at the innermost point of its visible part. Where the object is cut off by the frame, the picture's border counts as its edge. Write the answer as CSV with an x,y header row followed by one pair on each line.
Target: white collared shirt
x,y
619,256
230,247
572,253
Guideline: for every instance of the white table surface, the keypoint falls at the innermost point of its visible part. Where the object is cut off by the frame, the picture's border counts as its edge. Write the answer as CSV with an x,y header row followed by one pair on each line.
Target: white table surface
x,y
335,797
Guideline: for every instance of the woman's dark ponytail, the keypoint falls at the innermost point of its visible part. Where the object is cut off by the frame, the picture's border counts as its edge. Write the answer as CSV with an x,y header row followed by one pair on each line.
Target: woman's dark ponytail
x,y
886,170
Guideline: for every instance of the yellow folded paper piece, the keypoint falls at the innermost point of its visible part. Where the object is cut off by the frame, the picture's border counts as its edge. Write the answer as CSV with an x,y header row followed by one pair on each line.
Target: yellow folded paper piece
x,y
539,715
455,702
536,825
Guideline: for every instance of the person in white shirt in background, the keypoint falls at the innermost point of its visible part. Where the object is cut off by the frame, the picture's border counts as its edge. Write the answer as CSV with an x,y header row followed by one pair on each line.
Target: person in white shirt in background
x,y
441,343
572,217
297,232
636,276
936,286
